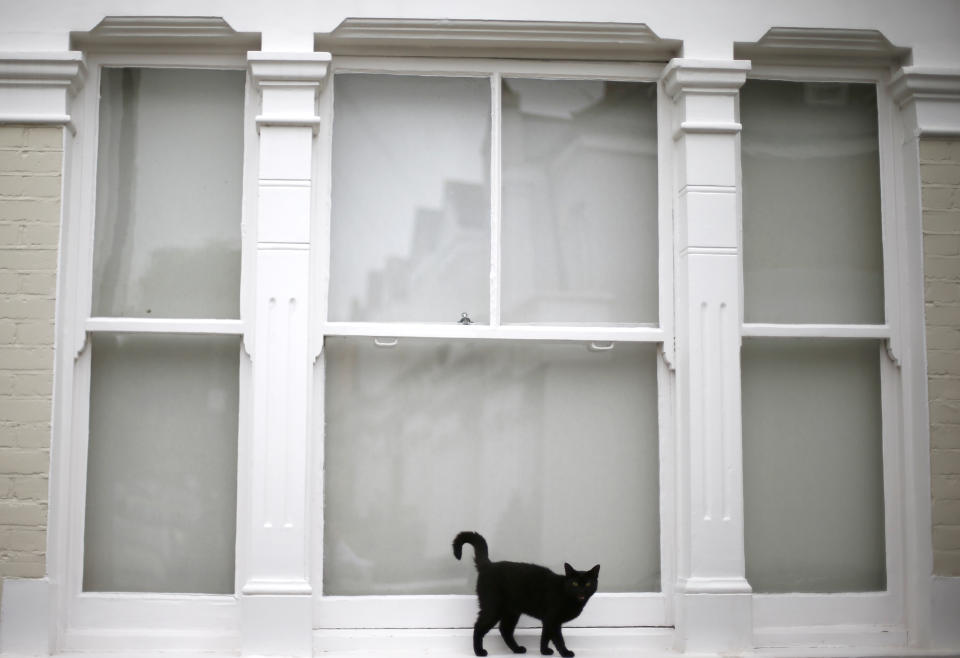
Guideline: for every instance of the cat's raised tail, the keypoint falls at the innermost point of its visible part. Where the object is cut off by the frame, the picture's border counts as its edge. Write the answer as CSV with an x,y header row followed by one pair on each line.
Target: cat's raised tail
x,y
481,558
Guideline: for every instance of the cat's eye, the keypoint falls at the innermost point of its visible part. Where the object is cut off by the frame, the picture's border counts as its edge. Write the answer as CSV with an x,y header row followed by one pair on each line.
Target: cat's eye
x,y
576,584
589,584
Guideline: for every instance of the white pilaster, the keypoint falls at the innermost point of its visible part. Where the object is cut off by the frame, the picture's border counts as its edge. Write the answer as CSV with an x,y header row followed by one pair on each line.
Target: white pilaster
x,y
929,103
276,591
713,597
37,89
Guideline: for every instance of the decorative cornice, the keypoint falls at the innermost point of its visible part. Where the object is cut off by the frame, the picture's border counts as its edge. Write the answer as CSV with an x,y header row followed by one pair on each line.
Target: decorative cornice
x,y
166,32
517,39
66,69
305,70
934,96
35,88
704,76
912,82
806,44
288,68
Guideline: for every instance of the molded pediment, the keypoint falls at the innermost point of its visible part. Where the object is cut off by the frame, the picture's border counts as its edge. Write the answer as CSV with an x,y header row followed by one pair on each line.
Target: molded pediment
x,y
518,39
166,32
803,44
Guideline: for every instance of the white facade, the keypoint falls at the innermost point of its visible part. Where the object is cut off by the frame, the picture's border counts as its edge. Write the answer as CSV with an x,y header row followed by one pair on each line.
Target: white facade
x,y
694,57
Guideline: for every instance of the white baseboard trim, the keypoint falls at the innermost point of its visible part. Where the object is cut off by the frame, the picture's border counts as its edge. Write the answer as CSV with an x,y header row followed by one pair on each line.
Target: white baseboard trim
x,y
25,617
458,642
945,622
116,641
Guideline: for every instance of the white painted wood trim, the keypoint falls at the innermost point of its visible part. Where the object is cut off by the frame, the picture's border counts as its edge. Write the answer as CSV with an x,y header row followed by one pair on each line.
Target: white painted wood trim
x,y
496,198
457,642
503,332
37,89
915,451
766,330
165,325
931,96
824,610
822,46
897,612
460,611
463,67
167,33
107,621
27,613
276,592
498,38
40,120
712,595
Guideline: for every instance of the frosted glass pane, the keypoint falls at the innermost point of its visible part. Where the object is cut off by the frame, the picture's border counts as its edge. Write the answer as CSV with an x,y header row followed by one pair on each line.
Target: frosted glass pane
x,y
579,227
549,451
411,210
167,238
813,473
162,464
811,203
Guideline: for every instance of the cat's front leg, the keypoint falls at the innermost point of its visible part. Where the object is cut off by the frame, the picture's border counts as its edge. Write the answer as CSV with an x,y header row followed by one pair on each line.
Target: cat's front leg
x,y
545,640
559,643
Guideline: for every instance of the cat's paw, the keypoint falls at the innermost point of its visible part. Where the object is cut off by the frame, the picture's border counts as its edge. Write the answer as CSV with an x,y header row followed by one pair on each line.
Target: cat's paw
x,y
567,654
481,653
520,649
547,652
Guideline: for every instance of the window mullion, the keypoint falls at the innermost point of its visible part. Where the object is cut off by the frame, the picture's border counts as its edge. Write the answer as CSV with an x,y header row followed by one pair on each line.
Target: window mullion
x,y
496,135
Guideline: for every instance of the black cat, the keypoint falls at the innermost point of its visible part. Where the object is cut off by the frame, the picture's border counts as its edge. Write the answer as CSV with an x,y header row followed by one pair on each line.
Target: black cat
x,y
508,589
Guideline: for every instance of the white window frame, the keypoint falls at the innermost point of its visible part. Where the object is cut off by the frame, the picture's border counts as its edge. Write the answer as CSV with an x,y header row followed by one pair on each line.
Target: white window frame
x,y
105,621
97,621
337,614
868,617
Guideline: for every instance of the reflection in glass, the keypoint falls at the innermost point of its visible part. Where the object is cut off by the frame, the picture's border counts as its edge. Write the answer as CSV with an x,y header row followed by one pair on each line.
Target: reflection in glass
x,y
811,203
167,238
410,239
579,201
812,461
550,451
162,464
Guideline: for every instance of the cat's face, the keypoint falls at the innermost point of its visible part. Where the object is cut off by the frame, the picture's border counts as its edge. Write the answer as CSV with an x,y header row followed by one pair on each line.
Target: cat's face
x,y
580,585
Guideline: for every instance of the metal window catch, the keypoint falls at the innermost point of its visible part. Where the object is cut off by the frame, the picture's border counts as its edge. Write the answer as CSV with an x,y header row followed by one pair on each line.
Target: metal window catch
x,y
385,342
600,345
465,319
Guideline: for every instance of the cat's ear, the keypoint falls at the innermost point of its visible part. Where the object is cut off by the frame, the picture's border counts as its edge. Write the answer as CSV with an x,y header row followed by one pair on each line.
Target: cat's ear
x,y
595,571
571,572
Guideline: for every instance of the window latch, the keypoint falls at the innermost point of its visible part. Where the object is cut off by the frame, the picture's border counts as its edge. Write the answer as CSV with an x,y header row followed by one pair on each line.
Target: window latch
x,y
465,319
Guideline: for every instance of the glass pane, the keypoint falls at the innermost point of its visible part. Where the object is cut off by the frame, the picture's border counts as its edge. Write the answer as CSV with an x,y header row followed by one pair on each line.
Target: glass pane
x,y
162,464
167,239
579,229
549,451
813,472
811,203
410,239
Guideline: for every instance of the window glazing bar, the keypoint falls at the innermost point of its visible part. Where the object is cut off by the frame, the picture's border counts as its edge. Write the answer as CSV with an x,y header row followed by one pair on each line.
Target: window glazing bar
x,y
496,195
637,334
165,325
762,330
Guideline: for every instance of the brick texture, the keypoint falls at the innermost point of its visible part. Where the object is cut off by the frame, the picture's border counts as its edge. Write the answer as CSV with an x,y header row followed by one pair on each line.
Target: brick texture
x,y
30,173
940,173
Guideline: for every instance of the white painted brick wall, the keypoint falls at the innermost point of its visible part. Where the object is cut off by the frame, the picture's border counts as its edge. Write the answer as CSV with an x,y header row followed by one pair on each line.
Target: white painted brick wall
x,y
940,171
30,172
